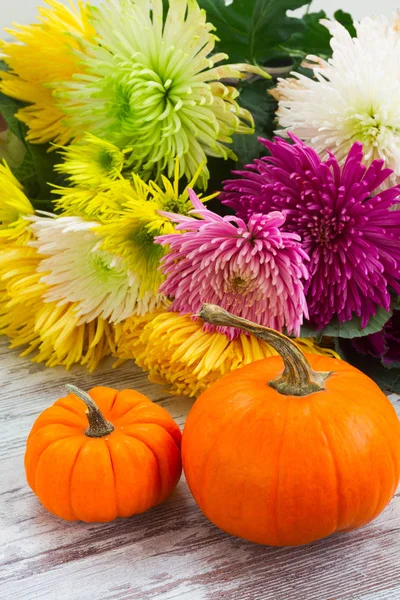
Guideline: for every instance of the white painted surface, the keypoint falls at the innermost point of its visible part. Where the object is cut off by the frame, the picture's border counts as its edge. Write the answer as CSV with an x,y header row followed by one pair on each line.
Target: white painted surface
x,y
358,8
171,552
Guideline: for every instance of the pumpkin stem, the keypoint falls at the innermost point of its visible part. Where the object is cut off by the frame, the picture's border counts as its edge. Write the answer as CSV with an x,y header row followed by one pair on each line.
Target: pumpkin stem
x,y
298,377
98,424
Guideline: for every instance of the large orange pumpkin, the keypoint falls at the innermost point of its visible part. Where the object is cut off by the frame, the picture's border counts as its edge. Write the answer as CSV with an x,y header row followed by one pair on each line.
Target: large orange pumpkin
x,y
104,455
290,449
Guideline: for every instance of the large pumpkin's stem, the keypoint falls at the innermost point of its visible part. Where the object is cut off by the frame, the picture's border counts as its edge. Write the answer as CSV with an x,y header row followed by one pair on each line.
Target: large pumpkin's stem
x,y
298,377
98,424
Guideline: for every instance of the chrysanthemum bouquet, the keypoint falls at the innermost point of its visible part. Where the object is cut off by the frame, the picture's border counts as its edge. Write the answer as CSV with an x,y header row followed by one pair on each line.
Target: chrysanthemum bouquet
x,y
144,175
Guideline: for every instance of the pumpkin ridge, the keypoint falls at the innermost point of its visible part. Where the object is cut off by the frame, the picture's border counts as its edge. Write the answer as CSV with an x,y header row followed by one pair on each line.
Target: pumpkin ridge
x,y
44,421
39,426
128,474
152,423
394,460
114,478
160,494
374,512
334,462
350,526
275,504
64,437
124,414
68,496
227,426
372,422
84,442
68,408
113,402
366,409
366,386
31,439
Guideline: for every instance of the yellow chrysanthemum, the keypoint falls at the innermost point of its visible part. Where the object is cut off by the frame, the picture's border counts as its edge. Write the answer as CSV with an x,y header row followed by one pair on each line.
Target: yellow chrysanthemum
x,y
51,331
131,230
14,206
43,56
92,163
132,330
101,203
114,200
175,350
131,236
167,195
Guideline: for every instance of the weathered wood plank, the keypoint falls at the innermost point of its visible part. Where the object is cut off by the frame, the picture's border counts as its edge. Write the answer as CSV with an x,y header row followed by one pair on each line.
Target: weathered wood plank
x,y
172,551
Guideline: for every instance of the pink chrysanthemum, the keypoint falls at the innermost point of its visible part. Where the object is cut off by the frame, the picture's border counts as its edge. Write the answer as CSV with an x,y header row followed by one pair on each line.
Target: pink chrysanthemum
x,y
254,270
351,236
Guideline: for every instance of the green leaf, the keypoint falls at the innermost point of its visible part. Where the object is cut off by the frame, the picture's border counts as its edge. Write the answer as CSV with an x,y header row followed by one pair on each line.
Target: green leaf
x,y
349,329
247,148
256,98
8,108
391,365
3,65
387,379
248,29
314,38
396,303
347,21
36,173
220,170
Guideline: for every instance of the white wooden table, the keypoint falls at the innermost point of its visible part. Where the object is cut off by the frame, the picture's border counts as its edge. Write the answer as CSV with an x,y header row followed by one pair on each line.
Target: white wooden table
x,y
172,551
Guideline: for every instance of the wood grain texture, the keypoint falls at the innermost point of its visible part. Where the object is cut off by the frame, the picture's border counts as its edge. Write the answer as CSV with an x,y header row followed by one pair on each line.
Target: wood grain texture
x,y
172,551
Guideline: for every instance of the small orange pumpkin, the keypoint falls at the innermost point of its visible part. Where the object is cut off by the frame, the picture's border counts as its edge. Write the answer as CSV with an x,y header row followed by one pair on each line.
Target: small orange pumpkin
x,y
289,449
106,454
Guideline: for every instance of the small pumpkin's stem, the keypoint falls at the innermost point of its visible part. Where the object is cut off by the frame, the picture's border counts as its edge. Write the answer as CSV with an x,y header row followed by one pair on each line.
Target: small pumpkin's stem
x,y
98,424
298,377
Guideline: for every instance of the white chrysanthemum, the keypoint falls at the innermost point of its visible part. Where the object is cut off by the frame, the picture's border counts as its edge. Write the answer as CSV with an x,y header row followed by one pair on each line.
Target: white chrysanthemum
x,y
355,95
77,270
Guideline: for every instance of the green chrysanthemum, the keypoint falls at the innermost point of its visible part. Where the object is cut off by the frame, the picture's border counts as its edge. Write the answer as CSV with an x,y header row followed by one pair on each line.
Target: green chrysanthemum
x,y
152,85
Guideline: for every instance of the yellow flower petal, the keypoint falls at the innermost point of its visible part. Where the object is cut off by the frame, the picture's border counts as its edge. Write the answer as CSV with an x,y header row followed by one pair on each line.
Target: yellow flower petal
x,y
49,331
41,56
176,351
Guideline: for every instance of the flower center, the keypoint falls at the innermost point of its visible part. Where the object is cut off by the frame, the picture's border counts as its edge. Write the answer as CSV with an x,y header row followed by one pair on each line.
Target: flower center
x,y
370,129
106,160
176,205
101,264
327,226
238,285
148,252
143,237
